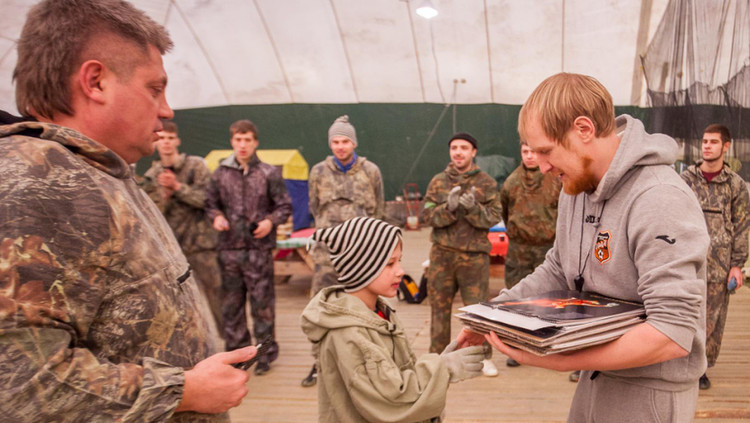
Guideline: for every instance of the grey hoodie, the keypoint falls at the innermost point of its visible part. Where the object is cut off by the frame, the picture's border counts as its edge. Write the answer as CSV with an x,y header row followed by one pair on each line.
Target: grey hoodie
x,y
643,238
367,371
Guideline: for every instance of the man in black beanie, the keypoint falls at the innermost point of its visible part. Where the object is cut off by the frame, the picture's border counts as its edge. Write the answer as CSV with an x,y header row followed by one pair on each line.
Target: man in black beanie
x,y
461,204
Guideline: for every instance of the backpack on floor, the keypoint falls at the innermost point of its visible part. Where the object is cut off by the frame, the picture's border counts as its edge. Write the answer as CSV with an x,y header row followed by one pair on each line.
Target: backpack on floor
x,y
410,291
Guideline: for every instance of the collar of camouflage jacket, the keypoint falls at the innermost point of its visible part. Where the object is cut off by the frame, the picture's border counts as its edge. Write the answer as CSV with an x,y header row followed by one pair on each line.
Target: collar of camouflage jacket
x,y
231,162
88,150
357,165
723,176
178,162
451,170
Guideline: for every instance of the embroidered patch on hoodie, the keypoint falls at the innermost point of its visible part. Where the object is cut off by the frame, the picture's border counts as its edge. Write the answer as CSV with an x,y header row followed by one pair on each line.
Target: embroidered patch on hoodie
x,y
601,248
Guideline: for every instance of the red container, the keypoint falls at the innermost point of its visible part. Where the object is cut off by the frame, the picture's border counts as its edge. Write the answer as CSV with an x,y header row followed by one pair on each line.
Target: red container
x,y
499,242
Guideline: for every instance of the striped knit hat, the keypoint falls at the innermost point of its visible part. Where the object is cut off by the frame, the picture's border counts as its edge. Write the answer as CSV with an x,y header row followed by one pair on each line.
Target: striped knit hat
x,y
360,249
341,126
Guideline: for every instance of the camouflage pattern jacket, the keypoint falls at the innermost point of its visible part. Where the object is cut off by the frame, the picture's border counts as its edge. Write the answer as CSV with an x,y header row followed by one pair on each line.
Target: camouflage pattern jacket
x,y
247,197
725,201
184,208
458,229
529,201
98,312
336,197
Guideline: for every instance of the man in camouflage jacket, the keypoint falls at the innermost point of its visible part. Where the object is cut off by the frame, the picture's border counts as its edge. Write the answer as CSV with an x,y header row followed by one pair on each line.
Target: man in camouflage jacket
x,y
177,183
529,201
246,200
98,312
724,198
340,187
461,204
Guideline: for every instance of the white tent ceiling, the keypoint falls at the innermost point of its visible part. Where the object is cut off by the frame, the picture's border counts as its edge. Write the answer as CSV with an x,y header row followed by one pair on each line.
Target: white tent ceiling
x,y
230,52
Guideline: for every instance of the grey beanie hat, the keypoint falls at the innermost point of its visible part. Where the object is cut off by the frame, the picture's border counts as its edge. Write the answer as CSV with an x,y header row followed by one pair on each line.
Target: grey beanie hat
x,y
341,126
360,249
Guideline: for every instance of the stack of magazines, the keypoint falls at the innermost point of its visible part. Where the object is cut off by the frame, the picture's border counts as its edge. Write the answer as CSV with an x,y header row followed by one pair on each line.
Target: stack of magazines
x,y
554,322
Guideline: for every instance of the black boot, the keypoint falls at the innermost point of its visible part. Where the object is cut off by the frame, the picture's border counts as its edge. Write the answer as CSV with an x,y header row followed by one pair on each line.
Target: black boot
x,y
703,382
312,378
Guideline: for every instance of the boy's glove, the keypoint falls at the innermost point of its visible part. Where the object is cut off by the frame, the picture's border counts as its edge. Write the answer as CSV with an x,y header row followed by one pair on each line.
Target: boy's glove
x,y
467,200
463,364
453,197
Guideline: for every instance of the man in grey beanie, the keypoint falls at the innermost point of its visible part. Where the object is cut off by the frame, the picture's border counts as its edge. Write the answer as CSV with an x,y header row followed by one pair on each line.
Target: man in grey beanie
x,y
341,187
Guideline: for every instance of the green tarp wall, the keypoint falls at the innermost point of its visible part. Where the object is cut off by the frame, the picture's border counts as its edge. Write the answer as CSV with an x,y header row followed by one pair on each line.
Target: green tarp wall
x,y
391,135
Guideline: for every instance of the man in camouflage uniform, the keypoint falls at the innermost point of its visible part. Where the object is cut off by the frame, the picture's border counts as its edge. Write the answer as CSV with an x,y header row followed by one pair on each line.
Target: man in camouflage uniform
x,y
340,187
246,200
98,312
177,183
529,201
724,198
461,204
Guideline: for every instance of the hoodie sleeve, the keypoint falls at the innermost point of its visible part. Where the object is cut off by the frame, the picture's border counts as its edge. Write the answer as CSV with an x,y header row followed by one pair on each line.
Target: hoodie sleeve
x,y
668,241
383,392
548,276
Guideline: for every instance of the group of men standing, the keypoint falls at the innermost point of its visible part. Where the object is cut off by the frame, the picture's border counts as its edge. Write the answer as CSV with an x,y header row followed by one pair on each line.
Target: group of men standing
x,y
233,212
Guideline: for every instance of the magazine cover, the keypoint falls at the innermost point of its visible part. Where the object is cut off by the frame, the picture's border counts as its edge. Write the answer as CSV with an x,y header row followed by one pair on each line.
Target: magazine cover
x,y
567,306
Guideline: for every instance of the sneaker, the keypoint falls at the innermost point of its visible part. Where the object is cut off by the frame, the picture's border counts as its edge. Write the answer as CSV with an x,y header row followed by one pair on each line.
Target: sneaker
x,y
311,379
261,368
512,363
489,368
703,382
574,376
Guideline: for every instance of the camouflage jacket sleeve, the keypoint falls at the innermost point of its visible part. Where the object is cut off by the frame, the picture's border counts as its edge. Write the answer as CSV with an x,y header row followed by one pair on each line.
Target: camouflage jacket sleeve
x,y
282,203
504,202
312,190
213,204
740,223
487,211
435,212
151,187
194,178
377,183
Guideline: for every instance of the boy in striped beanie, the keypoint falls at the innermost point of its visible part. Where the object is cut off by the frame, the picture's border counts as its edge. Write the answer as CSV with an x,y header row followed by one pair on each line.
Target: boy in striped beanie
x,y
367,369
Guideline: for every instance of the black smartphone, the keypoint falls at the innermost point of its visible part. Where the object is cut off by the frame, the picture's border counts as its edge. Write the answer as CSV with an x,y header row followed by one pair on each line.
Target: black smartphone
x,y
262,348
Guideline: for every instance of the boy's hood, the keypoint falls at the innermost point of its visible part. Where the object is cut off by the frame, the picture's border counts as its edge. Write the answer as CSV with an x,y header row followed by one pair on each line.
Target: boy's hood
x,y
332,309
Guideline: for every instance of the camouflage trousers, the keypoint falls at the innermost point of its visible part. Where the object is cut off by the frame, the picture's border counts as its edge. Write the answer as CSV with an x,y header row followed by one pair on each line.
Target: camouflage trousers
x,y
521,260
324,274
206,271
717,304
248,273
451,271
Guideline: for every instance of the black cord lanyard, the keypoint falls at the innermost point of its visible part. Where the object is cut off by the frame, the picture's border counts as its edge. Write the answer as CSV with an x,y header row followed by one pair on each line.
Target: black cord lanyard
x,y
578,280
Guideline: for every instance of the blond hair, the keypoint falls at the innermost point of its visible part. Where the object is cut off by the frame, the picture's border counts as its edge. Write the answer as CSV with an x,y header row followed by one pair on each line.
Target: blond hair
x,y
563,97
60,35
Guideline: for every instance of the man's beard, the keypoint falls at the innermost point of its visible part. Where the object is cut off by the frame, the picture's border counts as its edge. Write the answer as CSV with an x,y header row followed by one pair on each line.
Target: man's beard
x,y
719,157
586,182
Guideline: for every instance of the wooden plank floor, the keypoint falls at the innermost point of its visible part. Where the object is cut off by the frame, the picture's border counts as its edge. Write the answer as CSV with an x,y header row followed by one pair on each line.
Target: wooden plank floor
x,y
521,394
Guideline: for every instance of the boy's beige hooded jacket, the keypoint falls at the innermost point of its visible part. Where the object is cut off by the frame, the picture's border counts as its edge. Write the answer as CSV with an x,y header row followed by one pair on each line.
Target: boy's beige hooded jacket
x,y
366,370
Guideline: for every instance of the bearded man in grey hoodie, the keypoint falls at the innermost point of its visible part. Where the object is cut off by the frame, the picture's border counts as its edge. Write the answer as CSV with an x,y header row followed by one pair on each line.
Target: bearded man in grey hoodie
x,y
628,227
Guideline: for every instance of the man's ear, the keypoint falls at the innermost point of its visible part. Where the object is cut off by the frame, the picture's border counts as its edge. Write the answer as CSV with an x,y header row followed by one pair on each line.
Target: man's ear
x,y
585,128
91,80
